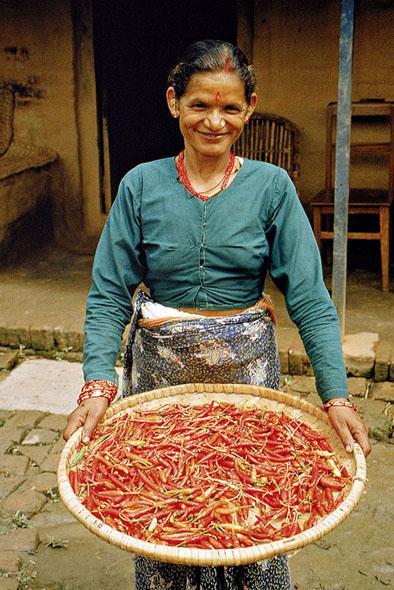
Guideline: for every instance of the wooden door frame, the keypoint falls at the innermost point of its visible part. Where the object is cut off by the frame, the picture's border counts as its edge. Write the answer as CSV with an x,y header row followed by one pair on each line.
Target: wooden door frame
x,y
86,114
95,182
245,27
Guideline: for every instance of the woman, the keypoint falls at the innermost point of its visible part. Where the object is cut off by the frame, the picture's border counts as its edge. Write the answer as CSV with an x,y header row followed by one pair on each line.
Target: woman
x,y
202,230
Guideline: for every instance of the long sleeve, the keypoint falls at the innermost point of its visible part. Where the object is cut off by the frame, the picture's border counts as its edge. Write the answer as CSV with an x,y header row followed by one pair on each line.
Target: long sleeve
x,y
295,267
117,270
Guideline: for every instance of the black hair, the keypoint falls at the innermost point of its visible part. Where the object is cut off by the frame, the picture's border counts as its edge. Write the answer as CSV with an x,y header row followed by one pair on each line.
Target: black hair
x,y
211,56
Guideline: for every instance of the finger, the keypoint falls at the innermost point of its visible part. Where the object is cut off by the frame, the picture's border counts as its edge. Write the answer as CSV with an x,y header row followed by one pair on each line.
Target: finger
x,y
75,420
92,419
339,418
347,439
70,416
361,437
346,436
350,428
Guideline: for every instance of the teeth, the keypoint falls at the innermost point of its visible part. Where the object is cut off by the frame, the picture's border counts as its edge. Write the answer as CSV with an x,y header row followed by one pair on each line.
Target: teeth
x,y
212,135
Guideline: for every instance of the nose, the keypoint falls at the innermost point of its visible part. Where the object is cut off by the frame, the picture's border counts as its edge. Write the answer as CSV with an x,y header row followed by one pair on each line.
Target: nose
x,y
214,120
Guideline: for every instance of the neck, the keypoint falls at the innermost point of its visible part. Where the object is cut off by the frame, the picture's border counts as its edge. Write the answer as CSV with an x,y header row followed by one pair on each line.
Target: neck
x,y
203,168
198,191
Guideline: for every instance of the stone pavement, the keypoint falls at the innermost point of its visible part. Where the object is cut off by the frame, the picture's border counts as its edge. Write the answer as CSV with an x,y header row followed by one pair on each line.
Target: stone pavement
x,y
42,547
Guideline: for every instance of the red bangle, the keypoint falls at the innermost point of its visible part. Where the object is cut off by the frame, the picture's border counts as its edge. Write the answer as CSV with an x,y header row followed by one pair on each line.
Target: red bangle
x,y
339,402
98,388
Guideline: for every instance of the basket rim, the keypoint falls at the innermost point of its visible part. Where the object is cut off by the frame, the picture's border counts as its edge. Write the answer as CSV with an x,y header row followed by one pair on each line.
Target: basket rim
x,y
210,557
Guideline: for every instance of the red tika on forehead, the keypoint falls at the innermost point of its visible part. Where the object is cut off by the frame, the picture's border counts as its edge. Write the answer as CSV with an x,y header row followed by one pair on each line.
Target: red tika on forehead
x,y
217,97
228,64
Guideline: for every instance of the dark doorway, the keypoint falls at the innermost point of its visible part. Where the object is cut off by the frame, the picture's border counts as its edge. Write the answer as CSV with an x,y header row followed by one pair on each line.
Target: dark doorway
x,y
136,43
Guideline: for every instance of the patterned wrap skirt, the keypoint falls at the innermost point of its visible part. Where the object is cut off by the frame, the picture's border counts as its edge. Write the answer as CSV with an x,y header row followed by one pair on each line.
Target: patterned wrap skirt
x,y
238,348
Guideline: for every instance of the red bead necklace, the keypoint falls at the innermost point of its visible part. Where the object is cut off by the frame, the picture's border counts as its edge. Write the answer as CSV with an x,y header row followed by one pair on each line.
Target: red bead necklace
x,y
184,178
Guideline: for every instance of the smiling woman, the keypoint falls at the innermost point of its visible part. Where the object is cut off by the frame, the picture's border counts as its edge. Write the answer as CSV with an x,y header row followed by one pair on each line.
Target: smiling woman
x,y
213,108
212,112
202,230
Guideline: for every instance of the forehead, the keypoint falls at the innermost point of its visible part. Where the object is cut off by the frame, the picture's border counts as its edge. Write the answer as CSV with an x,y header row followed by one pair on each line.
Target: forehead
x,y
208,85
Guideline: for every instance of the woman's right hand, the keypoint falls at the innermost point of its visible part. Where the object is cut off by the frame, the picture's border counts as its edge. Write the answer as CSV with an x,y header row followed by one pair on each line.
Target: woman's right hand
x,y
88,414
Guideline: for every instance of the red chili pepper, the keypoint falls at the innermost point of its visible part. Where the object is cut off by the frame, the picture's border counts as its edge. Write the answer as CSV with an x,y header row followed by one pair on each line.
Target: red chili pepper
x,y
218,474
330,482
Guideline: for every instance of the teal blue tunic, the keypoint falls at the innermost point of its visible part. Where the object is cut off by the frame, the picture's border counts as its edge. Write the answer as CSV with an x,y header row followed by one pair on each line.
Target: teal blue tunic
x,y
210,255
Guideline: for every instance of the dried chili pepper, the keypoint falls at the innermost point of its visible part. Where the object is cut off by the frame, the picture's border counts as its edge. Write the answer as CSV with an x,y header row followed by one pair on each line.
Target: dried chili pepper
x,y
211,476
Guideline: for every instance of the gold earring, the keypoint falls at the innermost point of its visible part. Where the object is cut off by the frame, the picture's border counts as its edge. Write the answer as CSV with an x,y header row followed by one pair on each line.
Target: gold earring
x,y
173,106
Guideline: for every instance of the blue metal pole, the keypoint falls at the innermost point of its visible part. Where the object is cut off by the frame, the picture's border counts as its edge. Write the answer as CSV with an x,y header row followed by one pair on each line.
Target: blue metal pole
x,y
342,159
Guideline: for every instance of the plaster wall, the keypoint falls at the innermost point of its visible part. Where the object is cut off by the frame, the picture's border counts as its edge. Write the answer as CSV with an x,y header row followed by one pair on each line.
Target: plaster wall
x,y
295,52
296,59
36,57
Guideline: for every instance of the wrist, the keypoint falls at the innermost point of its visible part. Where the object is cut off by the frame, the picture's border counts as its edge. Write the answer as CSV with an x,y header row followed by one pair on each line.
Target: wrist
x,y
95,401
98,388
338,402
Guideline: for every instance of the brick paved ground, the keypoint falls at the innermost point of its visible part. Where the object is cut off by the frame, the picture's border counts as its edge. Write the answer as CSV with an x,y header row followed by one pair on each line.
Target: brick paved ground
x,y
43,547
41,544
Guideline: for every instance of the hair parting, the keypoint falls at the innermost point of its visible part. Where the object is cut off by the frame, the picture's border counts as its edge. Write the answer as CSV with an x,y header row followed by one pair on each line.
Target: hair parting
x,y
212,56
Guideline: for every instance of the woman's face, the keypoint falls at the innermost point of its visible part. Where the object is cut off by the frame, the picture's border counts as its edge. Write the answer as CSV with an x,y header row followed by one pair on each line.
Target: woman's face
x,y
212,112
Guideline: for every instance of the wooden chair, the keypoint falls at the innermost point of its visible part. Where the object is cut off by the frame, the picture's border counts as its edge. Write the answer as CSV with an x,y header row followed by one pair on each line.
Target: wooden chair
x,y
272,139
362,201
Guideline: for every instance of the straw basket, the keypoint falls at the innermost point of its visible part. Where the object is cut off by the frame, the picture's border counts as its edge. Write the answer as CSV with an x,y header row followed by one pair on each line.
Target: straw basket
x,y
248,396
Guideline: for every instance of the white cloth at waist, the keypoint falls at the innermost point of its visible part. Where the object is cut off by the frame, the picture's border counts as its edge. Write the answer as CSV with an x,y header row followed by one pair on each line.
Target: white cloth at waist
x,y
155,311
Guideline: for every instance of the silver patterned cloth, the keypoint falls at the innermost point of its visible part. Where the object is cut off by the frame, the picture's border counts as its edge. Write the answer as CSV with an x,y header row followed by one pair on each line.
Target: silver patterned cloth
x,y
229,349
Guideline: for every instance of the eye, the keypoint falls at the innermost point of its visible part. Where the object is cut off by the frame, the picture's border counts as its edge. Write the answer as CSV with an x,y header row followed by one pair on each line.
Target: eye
x,y
198,106
232,109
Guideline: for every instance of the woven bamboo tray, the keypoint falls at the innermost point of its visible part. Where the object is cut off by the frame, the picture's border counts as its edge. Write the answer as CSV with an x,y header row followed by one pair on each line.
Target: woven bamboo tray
x,y
247,395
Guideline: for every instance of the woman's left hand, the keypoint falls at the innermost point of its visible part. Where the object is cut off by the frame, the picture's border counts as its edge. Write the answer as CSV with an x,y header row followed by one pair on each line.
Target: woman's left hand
x,y
349,428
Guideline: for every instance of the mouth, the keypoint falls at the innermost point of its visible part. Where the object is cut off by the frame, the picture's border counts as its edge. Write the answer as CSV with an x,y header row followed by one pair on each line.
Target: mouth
x,y
211,136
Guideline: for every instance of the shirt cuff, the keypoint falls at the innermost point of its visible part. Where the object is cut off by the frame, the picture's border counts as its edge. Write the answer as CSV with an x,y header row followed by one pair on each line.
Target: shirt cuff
x,y
332,393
